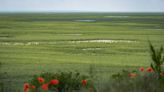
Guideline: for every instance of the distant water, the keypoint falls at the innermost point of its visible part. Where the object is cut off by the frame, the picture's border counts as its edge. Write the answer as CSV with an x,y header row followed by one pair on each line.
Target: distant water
x,y
117,16
88,20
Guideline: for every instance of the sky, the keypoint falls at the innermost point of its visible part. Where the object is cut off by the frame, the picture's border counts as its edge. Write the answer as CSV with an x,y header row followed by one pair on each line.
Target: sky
x,y
82,5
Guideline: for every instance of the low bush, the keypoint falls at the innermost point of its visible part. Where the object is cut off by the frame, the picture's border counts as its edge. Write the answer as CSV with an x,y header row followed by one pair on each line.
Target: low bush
x,y
150,79
137,81
59,82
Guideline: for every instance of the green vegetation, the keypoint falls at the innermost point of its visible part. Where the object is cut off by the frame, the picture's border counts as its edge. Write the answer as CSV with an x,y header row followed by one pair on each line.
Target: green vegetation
x,y
50,42
158,59
1,83
141,80
59,82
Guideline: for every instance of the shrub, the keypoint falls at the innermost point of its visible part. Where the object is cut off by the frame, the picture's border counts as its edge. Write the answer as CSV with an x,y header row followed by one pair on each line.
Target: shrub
x,y
150,79
59,82
136,81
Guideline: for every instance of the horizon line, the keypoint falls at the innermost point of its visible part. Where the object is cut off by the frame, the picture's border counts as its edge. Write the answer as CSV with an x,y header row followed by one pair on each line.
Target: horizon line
x,y
77,11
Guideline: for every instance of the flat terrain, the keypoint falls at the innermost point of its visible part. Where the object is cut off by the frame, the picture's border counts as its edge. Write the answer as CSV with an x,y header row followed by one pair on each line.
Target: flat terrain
x,y
31,43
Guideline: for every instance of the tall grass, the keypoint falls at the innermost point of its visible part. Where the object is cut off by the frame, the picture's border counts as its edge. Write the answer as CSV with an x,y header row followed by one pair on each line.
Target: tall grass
x,y
144,81
1,83
157,58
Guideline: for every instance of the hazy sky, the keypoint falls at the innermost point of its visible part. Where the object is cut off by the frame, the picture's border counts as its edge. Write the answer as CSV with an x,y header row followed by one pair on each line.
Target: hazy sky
x,y
83,5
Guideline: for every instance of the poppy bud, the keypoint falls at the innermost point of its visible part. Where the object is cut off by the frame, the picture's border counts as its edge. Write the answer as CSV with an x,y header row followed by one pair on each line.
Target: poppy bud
x,y
84,82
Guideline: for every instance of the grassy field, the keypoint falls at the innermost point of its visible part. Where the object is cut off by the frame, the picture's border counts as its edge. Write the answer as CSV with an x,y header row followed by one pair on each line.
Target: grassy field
x,y
31,43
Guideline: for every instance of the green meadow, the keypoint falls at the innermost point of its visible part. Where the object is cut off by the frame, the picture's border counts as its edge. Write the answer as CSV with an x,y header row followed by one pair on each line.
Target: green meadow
x,y
31,43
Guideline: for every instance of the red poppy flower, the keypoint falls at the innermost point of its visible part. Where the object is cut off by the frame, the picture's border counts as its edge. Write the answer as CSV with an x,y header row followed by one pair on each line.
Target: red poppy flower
x,y
40,79
54,82
33,87
45,86
26,87
141,69
162,73
149,69
132,75
84,82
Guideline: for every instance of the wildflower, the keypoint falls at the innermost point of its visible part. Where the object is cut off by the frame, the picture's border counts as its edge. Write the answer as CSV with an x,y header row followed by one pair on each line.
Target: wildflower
x,y
40,79
45,87
84,82
162,73
132,75
26,87
141,69
54,82
149,69
33,87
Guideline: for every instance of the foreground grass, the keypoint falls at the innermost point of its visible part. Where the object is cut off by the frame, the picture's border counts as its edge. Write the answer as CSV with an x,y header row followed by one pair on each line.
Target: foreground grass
x,y
56,53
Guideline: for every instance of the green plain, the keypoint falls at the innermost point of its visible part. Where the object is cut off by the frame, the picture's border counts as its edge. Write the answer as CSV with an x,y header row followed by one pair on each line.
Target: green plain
x,y
31,43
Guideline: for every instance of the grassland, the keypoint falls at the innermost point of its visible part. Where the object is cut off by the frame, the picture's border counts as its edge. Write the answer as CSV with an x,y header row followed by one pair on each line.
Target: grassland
x,y
31,43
